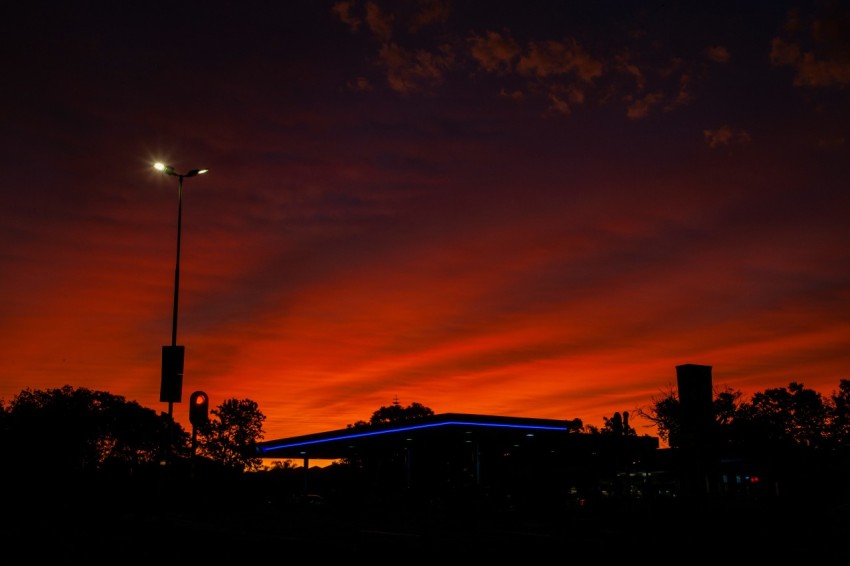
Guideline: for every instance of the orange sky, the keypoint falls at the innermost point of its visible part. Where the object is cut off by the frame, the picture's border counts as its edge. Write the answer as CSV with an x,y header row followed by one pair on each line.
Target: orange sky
x,y
520,211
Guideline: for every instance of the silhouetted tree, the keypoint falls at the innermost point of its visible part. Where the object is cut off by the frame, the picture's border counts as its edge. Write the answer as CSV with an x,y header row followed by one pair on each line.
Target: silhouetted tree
x,y
783,417
77,430
665,413
232,433
395,413
838,408
777,418
726,404
618,425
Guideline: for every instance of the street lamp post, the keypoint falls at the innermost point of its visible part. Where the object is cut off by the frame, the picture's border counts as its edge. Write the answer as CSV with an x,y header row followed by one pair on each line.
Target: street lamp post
x,y
172,356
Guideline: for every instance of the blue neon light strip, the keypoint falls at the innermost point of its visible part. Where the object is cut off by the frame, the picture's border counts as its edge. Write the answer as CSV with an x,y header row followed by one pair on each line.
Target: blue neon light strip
x,y
403,429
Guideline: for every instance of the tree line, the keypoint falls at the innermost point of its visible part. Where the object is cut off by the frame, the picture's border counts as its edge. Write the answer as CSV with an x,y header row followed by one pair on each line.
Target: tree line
x,y
78,430
783,418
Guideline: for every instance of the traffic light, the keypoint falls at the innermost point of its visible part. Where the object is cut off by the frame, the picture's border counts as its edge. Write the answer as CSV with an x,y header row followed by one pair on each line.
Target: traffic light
x,y
199,407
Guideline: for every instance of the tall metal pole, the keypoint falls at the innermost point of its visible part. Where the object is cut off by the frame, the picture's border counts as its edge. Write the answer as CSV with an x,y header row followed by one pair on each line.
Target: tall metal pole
x,y
176,293
172,357
177,267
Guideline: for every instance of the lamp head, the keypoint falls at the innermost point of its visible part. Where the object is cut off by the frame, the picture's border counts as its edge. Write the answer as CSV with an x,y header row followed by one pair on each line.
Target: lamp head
x,y
167,169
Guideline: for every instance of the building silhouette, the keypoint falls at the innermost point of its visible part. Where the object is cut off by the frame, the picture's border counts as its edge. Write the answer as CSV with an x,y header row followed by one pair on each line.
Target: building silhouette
x,y
451,458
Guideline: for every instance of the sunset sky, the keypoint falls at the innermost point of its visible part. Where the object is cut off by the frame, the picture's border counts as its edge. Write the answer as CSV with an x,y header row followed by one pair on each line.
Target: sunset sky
x,y
524,208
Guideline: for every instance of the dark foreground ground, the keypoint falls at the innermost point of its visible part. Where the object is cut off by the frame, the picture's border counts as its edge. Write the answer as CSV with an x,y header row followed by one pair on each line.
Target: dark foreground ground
x,y
79,531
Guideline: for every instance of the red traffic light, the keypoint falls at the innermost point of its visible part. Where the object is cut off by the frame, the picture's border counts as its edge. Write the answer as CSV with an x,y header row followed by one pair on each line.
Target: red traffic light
x,y
199,407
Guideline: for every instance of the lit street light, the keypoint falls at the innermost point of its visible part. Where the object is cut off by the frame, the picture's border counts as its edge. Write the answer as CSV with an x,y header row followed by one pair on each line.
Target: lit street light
x,y
171,386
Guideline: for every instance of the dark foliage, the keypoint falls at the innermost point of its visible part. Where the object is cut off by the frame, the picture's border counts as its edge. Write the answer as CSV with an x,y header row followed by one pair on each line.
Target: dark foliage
x,y
231,435
396,413
77,431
